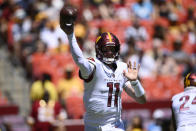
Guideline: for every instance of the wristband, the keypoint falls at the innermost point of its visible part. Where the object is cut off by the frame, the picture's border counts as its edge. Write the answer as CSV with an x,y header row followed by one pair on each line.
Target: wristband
x,y
139,90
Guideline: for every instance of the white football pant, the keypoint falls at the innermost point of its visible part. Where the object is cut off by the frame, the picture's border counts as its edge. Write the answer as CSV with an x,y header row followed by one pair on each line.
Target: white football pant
x,y
117,126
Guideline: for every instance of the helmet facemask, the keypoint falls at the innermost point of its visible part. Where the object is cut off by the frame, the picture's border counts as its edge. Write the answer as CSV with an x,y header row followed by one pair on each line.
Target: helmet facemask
x,y
110,54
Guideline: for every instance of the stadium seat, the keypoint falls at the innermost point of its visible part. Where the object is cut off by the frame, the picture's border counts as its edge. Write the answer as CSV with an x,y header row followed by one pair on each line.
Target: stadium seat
x,y
129,3
162,21
77,3
74,107
3,99
188,48
38,61
109,25
148,25
125,23
94,23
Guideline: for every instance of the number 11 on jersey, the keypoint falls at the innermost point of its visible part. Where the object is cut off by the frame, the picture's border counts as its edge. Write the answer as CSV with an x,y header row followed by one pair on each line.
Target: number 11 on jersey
x,y
111,86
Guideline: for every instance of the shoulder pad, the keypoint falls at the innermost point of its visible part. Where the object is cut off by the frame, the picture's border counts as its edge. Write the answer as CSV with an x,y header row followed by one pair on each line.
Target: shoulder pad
x,y
91,60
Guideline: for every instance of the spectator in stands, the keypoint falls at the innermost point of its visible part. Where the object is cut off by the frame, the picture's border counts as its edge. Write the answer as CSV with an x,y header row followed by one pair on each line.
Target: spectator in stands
x,y
61,48
163,9
156,125
52,31
166,65
41,47
87,13
159,32
96,3
191,32
39,86
121,11
128,49
136,124
4,126
147,62
70,84
46,114
191,65
89,50
143,9
136,31
178,54
105,10
36,59
156,50
18,29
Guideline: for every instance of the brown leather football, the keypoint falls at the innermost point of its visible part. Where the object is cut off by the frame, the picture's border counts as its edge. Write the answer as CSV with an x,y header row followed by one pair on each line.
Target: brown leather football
x,y
68,15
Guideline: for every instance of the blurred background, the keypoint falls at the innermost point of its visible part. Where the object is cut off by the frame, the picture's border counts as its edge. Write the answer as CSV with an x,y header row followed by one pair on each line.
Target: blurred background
x,y
39,84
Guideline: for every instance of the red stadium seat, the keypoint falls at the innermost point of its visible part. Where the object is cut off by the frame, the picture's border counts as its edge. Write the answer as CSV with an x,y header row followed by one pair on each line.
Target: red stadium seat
x,y
188,3
125,23
162,21
148,25
77,3
38,60
74,107
188,48
108,25
129,3
94,23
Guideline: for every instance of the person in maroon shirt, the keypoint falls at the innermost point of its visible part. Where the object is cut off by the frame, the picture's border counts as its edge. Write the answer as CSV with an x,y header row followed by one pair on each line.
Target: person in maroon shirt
x,y
46,114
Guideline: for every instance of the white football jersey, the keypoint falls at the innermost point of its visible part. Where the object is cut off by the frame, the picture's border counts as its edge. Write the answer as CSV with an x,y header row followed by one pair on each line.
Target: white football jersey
x,y
184,107
102,94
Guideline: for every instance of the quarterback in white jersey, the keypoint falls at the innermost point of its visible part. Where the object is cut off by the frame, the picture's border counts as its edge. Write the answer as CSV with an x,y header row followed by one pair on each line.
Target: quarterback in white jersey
x,y
184,106
105,77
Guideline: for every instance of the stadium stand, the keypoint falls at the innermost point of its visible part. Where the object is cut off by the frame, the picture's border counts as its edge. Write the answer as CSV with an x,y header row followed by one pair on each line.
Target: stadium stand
x,y
171,44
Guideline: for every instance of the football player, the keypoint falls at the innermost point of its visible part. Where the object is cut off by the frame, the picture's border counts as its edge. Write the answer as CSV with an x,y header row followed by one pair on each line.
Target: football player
x,y
105,77
184,106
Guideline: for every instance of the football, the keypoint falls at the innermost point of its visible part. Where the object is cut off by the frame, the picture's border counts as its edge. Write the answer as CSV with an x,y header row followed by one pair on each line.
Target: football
x,y
68,14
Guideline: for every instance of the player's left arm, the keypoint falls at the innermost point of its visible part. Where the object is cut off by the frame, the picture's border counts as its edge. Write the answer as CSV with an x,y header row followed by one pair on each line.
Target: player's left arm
x,y
133,87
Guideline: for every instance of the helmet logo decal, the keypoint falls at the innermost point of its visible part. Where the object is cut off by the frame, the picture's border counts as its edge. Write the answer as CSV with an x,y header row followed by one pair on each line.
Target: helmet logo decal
x,y
110,37
187,82
190,80
98,38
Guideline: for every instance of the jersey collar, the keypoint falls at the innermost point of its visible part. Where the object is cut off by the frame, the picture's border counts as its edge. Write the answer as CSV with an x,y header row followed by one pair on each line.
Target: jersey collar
x,y
189,88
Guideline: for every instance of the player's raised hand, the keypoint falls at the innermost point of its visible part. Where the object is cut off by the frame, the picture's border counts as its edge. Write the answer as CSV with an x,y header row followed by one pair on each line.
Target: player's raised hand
x,y
132,73
68,15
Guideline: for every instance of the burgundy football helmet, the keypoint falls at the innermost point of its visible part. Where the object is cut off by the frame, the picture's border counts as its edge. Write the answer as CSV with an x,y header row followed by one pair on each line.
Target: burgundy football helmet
x,y
107,48
190,80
